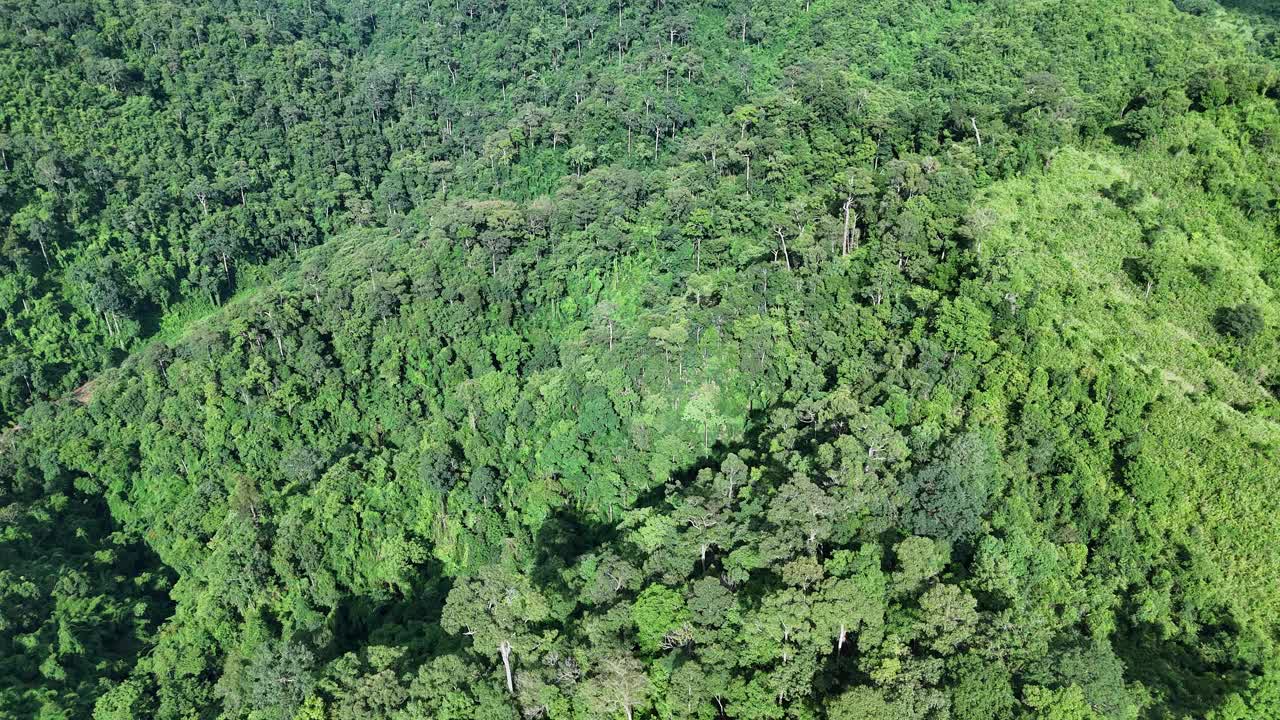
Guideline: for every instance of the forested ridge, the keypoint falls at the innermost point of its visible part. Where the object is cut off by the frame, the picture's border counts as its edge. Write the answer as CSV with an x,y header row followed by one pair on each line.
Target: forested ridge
x,y
802,359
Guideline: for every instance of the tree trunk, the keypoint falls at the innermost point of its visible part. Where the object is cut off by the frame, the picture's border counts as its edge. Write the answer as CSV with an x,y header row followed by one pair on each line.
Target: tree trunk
x,y
505,649
844,244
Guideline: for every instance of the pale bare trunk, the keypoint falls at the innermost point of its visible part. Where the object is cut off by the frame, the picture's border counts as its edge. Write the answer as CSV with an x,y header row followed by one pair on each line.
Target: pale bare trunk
x,y
505,649
844,244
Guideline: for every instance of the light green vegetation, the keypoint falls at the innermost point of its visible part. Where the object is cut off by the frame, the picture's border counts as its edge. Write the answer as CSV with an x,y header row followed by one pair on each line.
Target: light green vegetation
x,y
796,360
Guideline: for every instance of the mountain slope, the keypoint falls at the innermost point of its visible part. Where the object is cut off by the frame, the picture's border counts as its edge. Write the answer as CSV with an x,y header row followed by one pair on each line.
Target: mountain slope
x,y
905,379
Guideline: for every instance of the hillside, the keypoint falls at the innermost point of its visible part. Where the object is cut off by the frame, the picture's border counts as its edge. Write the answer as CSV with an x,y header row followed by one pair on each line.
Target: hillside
x,y
687,361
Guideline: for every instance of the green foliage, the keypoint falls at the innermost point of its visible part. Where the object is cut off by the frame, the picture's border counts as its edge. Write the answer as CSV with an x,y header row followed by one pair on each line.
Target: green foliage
x,y
660,617
673,360
1242,322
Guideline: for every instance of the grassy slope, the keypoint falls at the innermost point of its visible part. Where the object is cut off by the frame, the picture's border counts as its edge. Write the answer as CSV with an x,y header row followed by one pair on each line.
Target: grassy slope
x,y
1057,238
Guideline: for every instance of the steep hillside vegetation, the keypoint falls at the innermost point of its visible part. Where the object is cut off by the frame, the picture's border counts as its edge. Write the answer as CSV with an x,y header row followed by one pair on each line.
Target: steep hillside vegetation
x,y
785,360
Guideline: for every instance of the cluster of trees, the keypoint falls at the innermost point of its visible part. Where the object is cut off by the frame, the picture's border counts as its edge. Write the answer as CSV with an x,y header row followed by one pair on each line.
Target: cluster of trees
x,y
81,600
150,152
671,360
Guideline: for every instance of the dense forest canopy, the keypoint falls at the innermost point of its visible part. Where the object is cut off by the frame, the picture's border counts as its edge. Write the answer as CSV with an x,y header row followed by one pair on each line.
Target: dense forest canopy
x,y
807,359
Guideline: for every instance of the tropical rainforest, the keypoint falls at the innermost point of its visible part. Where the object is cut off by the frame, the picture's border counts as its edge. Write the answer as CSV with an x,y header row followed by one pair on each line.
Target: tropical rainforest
x,y
640,359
